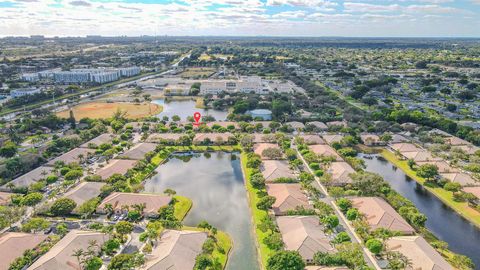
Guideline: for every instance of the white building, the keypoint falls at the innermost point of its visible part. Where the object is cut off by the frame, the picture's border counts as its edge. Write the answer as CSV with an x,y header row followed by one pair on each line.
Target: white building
x,y
244,85
71,77
129,71
105,77
30,77
24,92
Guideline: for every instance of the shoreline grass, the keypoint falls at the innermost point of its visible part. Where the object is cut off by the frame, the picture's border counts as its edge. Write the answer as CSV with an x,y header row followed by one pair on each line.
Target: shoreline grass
x,y
182,206
445,196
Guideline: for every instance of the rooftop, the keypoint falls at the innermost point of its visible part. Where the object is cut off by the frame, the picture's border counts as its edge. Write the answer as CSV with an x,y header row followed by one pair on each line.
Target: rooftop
x,y
116,166
288,197
152,202
13,244
274,169
138,151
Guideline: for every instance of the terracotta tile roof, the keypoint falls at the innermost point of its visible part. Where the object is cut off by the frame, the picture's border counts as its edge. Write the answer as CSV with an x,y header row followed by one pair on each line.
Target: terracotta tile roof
x,y
442,165
258,148
288,197
176,250
60,256
325,150
263,138
331,138
295,125
474,190
405,147
312,139
340,172
421,155
158,137
116,166
456,141
459,177
318,124
213,137
305,235
274,169
379,214
13,244
419,252
152,202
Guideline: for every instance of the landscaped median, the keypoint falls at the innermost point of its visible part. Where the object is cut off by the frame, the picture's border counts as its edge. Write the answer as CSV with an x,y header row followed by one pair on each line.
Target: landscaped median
x,y
258,215
446,196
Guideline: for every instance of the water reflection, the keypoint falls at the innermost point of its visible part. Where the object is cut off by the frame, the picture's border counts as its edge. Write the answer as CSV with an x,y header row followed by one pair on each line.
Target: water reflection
x,y
185,108
461,236
214,182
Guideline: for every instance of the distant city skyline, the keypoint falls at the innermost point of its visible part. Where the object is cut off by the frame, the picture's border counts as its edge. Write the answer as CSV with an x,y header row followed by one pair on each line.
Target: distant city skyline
x,y
349,18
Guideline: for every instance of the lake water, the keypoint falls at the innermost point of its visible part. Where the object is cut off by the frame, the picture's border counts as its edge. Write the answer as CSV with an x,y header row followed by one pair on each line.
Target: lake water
x,y
215,184
185,108
462,236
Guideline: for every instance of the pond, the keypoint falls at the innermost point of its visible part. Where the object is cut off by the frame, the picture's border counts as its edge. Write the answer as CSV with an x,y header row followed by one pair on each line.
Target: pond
x,y
185,108
214,182
462,236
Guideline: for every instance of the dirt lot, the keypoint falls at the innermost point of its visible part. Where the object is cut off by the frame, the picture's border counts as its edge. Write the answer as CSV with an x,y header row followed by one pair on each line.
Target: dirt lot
x,y
197,72
96,110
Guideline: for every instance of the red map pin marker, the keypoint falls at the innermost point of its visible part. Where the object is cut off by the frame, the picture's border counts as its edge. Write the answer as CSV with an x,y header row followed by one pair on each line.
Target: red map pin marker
x,y
197,116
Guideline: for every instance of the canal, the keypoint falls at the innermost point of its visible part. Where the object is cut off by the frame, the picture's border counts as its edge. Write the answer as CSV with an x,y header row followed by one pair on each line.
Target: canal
x,y
462,236
214,182
185,108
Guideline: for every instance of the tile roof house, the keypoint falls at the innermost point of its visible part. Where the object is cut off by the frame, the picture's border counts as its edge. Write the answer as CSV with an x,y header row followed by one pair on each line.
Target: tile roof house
x,y
397,138
212,137
421,155
274,169
164,137
337,123
258,148
84,192
263,138
404,147
116,166
331,138
31,177
175,250
97,141
455,141
325,150
371,139
420,254
5,198
318,125
60,255
379,214
13,244
312,139
340,172
138,151
474,190
295,125
288,197
73,156
305,235
468,149
224,124
152,202
442,165
459,177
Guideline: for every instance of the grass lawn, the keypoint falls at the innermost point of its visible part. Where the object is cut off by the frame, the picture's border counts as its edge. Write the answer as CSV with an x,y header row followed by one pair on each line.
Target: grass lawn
x,y
102,110
223,241
446,196
182,206
203,148
264,251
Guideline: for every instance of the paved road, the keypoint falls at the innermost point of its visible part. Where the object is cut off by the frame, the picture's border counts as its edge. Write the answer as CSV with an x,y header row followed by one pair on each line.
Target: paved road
x,y
350,230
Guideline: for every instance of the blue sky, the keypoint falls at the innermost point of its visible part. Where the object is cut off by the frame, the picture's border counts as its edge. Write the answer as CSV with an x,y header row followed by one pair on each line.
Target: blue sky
x,y
370,18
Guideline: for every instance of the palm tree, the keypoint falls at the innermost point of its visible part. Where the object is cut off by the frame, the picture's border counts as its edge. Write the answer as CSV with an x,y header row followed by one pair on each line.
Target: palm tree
x,y
109,209
78,253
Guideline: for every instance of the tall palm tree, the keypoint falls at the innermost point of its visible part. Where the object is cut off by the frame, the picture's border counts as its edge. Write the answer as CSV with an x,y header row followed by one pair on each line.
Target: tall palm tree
x,y
78,253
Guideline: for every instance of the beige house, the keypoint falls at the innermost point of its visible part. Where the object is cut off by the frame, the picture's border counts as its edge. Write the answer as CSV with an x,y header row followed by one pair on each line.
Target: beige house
x,y
461,178
295,125
164,137
455,141
263,138
317,125
274,169
84,192
61,256
325,150
404,147
340,172
332,138
212,138
379,214
258,148
419,253
305,235
175,250
312,139
371,139
97,141
5,198
138,151
31,177
77,155
442,165
13,244
224,124
120,200
468,149
116,166
421,155
288,197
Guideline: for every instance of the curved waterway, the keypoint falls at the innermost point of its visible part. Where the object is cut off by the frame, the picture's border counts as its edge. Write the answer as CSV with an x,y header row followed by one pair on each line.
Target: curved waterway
x,y
185,108
214,182
462,236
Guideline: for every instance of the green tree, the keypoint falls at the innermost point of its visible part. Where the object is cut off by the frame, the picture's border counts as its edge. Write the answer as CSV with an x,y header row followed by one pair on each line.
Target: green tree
x,y
32,199
374,245
126,261
369,184
124,227
63,207
93,263
35,225
266,202
285,260
8,150
427,171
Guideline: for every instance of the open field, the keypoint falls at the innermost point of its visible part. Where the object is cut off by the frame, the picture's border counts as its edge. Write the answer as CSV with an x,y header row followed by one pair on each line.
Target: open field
x,y
446,196
101,110
197,72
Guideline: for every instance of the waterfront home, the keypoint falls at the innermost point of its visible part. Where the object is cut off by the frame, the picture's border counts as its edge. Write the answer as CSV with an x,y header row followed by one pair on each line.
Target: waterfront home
x,y
263,138
223,124
418,252
212,138
84,192
60,256
419,156
97,141
461,178
175,250
332,138
371,140
116,166
312,139
325,150
304,234
121,200
442,165
259,148
398,138
138,151
379,214
295,125
288,197
165,138
469,149
317,125
275,169
404,147
340,172
455,141
78,155
31,177
14,244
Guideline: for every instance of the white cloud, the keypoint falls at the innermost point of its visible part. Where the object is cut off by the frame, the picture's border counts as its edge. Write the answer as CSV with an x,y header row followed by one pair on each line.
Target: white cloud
x,y
302,3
